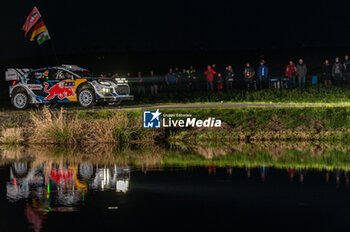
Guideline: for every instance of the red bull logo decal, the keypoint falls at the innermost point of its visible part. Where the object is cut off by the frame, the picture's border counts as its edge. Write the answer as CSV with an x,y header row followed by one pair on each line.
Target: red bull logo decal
x,y
62,90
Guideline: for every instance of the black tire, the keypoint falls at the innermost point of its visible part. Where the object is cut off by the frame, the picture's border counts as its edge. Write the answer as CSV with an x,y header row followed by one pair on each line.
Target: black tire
x,y
86,97
20,100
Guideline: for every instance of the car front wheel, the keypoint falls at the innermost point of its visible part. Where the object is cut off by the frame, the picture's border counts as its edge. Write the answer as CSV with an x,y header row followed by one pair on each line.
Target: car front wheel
x,y
20,100
86,98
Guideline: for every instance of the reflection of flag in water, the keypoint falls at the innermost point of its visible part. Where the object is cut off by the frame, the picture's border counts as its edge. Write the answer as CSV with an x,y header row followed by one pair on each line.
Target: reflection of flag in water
x,y
38,27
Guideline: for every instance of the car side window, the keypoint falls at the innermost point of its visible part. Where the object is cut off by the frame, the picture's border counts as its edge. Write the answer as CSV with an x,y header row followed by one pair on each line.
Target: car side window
x,y
49,74
69,76
60,75
34,78
64,75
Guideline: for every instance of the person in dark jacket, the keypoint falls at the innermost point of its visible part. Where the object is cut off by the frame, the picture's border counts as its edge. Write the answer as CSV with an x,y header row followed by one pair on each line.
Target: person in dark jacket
x,y
179,81
301,72
171,80
346,70
249,74
229,74
327,73
189,77
195,79
263,72
337,72
220,82
153,83
141,90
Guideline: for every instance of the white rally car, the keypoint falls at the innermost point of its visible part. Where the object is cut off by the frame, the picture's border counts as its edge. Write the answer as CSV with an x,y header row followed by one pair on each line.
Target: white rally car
x,y
66,83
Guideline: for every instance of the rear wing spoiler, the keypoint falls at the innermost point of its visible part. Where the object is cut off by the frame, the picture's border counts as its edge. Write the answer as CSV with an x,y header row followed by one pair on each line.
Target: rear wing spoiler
x,y
14,74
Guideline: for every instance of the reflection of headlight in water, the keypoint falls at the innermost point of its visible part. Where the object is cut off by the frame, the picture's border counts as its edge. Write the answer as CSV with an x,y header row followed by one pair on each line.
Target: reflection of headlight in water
x,y
105,178
122,186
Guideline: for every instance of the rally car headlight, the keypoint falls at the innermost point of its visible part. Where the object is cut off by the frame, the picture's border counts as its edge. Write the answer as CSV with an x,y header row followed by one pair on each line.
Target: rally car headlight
x,y
106,90
104,83
121,80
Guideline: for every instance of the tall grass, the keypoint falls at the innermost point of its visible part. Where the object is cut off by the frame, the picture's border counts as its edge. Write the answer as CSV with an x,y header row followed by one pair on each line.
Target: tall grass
x,y
65,128
12,136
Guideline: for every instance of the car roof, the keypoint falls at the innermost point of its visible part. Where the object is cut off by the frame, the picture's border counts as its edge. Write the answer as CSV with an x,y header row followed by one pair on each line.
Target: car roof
x,y
65,67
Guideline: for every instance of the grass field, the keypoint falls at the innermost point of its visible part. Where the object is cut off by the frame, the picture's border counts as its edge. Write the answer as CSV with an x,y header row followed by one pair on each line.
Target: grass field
x,y
315,94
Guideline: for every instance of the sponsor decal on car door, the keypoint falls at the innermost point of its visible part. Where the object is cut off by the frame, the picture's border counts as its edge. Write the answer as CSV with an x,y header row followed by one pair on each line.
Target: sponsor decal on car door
x,y
65,89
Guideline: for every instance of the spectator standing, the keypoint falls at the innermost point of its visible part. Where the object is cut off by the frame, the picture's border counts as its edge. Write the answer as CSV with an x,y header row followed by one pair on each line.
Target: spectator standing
x,y
178,74
141,85
153,83
220,83
249,74
171,81
337,72
327,73
263,72
229,74
210,78
184,80
195,80
214,66
291,72
190,78
301,72
346,70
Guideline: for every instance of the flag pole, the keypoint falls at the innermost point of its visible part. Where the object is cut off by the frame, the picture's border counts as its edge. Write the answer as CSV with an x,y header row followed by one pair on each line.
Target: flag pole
x,y
51,42
54,50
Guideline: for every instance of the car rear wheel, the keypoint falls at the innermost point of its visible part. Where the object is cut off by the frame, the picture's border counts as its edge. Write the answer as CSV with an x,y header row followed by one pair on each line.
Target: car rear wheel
x,y
20,100
86,98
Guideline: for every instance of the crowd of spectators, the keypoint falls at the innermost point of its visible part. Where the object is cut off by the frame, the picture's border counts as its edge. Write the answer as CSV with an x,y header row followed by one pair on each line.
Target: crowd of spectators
x,y
214,78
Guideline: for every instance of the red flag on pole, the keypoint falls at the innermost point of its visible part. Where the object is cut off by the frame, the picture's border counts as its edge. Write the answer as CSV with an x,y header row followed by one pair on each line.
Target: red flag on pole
x,y
31,20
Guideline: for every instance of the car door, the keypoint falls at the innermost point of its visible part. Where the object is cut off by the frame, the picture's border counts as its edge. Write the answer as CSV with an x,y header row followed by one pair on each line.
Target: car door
x,y
59,86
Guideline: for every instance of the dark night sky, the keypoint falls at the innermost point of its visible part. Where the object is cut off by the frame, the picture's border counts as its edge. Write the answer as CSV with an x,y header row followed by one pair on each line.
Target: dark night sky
x,y
174,25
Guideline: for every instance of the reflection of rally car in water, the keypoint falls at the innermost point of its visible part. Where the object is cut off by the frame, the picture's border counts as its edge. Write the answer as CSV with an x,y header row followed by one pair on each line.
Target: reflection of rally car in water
x,y
66,83
60,187
64,185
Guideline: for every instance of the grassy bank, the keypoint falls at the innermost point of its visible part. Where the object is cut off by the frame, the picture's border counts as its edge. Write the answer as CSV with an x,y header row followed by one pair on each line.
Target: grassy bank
x,y
60,127
110,126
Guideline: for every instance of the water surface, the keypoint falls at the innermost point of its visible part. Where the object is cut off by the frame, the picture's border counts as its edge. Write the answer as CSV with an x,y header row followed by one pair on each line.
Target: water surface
x,y
149,188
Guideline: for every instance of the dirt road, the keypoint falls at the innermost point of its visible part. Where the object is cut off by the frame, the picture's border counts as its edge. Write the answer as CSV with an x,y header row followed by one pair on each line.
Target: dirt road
x,y
209,105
